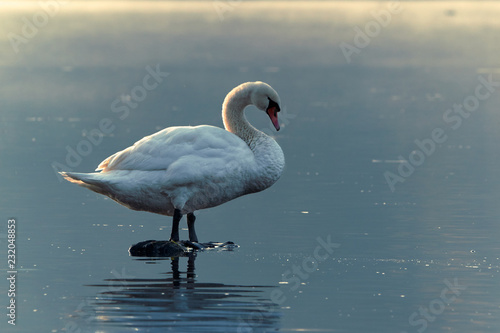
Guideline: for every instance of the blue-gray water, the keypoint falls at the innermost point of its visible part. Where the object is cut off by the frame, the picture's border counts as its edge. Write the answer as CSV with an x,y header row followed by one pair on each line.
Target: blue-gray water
x,y
422,256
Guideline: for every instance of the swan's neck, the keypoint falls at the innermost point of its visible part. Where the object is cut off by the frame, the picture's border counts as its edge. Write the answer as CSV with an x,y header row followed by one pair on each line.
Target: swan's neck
x,y
234,119
268,154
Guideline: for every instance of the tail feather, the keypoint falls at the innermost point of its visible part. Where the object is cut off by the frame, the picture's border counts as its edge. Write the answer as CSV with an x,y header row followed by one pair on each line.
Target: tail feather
x,y
88,180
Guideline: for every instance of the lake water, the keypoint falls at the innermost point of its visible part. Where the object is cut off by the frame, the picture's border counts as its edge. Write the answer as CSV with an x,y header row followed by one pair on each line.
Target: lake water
x,y
387,216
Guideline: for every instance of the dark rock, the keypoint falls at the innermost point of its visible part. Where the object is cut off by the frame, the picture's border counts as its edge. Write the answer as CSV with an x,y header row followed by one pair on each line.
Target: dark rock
x,y
153,248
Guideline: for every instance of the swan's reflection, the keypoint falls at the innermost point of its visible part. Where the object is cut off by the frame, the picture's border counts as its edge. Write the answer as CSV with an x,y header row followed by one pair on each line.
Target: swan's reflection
x,y
180,304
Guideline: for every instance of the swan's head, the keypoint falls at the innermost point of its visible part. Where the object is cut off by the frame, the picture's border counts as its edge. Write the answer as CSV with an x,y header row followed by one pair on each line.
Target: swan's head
x,y
266,99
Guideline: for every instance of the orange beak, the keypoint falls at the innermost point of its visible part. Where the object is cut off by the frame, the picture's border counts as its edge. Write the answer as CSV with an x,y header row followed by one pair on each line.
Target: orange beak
x,y
273,115
272,112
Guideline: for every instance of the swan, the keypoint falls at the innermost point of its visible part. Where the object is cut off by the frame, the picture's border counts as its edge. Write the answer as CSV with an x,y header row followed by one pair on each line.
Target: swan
x,y
182,169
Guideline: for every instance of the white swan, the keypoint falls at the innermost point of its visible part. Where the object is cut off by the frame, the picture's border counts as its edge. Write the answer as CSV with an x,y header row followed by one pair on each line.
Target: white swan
x,y
179,170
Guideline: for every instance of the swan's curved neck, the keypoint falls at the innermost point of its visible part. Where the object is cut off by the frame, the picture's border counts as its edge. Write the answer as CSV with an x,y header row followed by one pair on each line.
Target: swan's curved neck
x,y
233,116
268,154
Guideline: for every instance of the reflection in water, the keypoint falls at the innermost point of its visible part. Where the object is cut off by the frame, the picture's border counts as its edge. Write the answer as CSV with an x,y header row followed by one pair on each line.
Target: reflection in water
x,y
177,302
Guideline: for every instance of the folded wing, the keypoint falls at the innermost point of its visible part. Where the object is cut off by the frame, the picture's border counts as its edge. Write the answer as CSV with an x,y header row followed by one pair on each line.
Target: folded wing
x,y
186,153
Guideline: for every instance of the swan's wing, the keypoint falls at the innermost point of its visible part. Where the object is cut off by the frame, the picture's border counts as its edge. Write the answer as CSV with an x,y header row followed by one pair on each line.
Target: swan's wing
x,y
191,152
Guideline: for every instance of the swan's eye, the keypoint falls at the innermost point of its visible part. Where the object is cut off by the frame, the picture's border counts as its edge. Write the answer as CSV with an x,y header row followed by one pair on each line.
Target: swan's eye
x,y
273,104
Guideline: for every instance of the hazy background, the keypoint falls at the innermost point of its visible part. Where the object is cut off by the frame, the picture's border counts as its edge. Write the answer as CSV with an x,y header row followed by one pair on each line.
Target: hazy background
x,y
345,122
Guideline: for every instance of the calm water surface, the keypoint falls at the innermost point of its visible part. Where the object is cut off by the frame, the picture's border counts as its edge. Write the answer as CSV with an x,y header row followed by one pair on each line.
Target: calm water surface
x,y
331,247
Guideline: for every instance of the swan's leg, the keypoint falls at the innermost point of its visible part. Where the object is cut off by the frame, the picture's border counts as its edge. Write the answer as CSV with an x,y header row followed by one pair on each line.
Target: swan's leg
x,y
192,234
174,235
